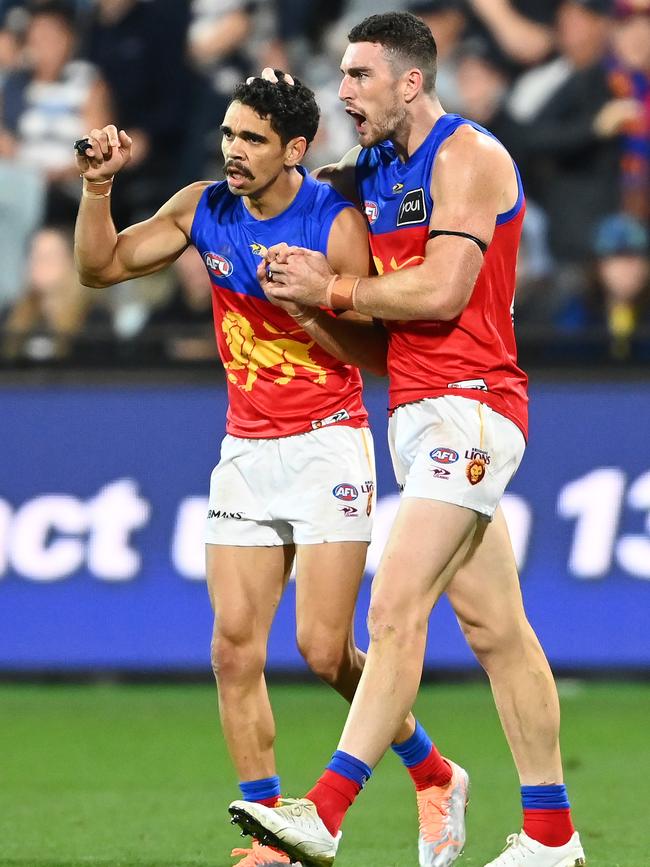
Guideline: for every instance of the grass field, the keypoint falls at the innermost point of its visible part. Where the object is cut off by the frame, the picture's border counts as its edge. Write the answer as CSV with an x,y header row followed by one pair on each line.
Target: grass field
x,y
138,775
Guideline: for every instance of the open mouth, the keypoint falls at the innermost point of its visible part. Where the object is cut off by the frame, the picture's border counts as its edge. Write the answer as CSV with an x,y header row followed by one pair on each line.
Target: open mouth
x,y
359,119
237,176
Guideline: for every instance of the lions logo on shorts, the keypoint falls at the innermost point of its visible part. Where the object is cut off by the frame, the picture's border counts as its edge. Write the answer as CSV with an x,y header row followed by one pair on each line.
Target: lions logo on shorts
x,y
475,471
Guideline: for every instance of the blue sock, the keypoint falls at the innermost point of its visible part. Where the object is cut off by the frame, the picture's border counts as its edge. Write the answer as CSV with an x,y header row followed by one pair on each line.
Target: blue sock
x,y
544,798
261,790
350,767
415,749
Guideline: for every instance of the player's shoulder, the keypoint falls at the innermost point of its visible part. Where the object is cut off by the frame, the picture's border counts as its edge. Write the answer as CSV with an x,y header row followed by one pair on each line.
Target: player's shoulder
x,y
320,200
183,204
471,144
213,200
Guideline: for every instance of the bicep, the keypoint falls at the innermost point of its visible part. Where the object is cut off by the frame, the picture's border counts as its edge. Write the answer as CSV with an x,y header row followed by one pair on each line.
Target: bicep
x,y
348,251
149,246
157,242
467,188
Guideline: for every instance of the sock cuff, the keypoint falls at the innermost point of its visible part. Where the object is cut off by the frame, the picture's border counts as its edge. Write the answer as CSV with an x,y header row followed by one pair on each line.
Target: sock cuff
x,y
261,790
416,749
350,767
545,797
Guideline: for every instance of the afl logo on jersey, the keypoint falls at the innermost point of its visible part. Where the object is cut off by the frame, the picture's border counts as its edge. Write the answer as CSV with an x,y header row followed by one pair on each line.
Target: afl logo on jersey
x,y
371,210
413,208
443,455
346,492
218,265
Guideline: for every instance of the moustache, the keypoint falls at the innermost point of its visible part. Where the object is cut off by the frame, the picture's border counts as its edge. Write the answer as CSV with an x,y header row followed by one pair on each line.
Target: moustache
x,y
239,168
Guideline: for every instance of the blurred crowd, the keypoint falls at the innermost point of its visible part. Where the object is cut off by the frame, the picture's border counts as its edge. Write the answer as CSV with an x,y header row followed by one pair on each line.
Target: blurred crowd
x,y
564,84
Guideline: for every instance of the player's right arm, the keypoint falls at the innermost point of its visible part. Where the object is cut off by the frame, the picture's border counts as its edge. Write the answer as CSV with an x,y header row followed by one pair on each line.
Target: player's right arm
x,y
351,337
102,255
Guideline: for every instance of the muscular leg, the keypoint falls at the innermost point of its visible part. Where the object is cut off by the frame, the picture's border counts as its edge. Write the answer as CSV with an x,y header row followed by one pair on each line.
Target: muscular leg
x,y
327,586
487,600
245,586
416,566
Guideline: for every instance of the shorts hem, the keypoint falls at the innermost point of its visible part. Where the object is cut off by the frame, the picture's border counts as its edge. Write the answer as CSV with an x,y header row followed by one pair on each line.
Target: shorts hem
x,y
485,511
244,543
239,543
338,537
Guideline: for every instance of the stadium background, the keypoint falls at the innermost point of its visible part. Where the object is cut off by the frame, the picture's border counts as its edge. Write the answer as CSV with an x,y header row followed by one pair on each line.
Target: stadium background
x,y
113,408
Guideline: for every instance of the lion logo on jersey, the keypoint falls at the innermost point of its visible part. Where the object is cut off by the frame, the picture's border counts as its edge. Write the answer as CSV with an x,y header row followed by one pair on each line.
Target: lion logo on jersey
x,y
394,265
252,353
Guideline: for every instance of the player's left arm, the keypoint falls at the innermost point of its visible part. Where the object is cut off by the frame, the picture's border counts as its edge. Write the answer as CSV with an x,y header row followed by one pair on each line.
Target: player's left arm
x,y
470,174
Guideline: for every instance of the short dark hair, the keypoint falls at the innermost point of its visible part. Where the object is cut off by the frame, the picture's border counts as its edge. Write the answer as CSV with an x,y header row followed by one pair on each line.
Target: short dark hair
x,y
58,9
405,37
291,108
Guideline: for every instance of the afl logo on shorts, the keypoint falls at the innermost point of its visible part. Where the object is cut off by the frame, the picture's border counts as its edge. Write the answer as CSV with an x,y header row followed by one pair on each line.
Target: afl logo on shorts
x,y
218,265
345,492
371,210
413,208
442,455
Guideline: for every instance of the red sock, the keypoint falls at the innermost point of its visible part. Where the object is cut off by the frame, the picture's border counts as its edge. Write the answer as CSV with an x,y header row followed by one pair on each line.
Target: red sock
x,y
333,795
549,827
269,802
432,771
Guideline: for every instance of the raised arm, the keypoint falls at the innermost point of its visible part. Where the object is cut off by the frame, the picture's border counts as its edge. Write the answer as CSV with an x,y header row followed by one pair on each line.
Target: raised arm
x,y
473,181
525,40
102,255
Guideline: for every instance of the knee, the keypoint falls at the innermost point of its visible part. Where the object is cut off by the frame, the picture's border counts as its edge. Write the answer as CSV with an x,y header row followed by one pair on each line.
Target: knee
x,y
235,657
495,643
391,622
328,658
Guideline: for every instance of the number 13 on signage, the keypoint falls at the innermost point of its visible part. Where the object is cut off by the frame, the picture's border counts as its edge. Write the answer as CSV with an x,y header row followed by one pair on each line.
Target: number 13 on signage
x,y
596,503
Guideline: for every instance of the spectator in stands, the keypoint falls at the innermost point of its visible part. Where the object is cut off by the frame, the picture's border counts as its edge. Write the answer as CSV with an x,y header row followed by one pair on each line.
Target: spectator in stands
x,y
447,20
139,47
183,329
49,104
217,37
568,125
521,29
618,303
48,321
483,83
630,79
10,50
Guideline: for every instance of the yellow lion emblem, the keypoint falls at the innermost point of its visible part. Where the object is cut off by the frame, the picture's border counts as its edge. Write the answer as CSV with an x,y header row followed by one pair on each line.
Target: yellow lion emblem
x,y
394,266
252,353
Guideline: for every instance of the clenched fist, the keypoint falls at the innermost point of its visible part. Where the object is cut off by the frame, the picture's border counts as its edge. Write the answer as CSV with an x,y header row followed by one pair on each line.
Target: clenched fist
x,y
110,151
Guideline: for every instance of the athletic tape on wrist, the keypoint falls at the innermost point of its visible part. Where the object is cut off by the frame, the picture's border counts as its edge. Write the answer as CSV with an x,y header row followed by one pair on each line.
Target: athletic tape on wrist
x,y
97,189
341,292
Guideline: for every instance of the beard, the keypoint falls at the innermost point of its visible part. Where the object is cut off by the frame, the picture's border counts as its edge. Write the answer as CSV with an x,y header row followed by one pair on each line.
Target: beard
x,y
388,124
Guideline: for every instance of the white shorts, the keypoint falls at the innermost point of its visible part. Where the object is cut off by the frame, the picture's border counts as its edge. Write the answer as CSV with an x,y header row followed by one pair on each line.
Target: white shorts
x,y
454,449
306,489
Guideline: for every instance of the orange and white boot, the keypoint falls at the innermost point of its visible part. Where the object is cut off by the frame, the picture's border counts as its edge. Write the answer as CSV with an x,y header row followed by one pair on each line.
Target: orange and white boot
x,y
441,815
259,855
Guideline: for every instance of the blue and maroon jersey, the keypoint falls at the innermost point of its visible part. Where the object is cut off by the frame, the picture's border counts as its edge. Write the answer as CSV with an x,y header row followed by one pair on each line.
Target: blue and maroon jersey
x,y
280,382
474,355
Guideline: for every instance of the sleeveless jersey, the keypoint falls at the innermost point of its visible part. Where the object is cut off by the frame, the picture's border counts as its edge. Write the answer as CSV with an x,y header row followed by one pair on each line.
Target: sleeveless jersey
x,y
280,382
474,355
